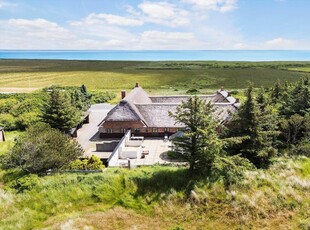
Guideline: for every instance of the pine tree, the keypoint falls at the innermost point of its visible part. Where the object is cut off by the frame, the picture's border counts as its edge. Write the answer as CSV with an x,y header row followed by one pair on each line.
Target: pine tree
x,y
253,131
58,111
200,144
276,92
297,99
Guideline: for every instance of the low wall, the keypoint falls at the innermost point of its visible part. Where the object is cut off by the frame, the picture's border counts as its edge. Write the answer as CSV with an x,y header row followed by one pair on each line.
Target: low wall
x,y
131,154
132,143
112,161
106,146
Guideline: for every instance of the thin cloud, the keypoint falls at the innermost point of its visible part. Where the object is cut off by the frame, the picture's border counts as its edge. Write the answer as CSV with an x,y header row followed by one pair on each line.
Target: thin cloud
x,y
164,13
279,43
110,19
40,28
7,5
213,5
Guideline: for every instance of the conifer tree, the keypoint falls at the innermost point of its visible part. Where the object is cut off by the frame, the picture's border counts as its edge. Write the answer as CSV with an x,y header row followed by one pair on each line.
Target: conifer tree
x,y
58,111
276,92
199,145
252,132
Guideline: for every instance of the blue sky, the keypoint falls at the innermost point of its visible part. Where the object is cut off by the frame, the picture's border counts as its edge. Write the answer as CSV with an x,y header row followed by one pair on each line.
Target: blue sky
x,y
152,25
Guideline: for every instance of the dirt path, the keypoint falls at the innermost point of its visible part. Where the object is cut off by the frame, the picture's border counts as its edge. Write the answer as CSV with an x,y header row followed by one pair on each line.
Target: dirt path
x,y
17,90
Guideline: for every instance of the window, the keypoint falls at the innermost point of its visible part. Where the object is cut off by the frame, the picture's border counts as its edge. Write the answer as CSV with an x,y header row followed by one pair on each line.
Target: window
x,y
167,130
109,130
137,130
154,130
123,130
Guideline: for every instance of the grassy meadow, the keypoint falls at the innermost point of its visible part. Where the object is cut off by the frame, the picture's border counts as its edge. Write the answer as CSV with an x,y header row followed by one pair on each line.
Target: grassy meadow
x,y
159,197
9,141
172,76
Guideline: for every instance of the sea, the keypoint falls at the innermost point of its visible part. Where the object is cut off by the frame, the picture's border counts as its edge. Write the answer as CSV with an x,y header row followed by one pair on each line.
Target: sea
x,y
160,55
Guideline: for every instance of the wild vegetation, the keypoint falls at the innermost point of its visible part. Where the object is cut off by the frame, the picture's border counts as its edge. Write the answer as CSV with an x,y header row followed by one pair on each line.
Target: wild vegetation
x,y
154,76
41,148
253,174
20,111
159,198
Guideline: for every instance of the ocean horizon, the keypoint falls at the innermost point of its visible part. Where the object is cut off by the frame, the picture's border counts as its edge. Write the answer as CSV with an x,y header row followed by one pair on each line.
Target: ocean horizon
x,y
159,55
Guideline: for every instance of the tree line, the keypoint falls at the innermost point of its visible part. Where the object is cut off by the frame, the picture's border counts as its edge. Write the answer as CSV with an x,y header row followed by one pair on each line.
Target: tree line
x,y
270,123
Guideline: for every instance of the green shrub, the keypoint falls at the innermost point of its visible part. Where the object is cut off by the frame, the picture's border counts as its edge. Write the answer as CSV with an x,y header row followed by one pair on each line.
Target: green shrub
x,y
7,121
25,120
231,169
92,163
192,91
7,104
101,97
303,148
24,183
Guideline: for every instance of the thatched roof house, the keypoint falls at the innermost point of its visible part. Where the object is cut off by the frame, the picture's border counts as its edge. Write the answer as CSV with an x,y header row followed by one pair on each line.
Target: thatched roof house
x,y
149,115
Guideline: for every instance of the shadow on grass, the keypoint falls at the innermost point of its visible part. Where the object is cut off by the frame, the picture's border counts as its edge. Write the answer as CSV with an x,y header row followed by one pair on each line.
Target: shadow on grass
x,y
165,181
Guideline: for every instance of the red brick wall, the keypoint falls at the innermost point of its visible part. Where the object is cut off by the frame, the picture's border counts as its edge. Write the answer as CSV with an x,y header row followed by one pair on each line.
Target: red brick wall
x,y
122,125
116,127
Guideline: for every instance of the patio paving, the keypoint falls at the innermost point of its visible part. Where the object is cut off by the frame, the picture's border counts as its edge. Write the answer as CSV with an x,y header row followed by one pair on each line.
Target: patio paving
x,y
157,148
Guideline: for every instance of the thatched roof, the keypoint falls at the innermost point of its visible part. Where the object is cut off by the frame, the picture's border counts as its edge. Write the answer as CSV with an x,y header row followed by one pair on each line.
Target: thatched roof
x,y
157,115
154,110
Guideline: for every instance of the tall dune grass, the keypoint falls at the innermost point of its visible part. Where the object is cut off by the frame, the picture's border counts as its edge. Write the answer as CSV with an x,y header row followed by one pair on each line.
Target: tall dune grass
x,y
162,198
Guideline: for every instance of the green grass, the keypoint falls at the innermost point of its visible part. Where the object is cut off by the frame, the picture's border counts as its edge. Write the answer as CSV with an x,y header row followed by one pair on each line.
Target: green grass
x,y
302,69
9,142
158,198
153,76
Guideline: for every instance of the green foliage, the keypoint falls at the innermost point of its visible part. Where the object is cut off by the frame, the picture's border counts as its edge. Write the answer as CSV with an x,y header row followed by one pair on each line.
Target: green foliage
x,y
20,110
303,148
292,128
142,194
192,91
24,183
59,112
101,97
25,120
7,121
9,142
42,148
6,104
199,144
231,169
276,93
92,163
253,130
296,99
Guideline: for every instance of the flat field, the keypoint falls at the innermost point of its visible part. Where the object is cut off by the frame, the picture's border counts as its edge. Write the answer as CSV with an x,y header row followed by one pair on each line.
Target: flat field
x,y
153,76
301,69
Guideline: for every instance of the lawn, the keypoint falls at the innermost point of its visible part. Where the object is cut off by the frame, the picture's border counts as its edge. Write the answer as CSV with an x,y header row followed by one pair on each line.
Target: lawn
x,y
9,142
153,76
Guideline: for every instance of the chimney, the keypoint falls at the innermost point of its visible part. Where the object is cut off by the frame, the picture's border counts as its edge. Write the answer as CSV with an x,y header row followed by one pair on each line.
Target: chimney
x,y
137,84
222,88
237,100
123,94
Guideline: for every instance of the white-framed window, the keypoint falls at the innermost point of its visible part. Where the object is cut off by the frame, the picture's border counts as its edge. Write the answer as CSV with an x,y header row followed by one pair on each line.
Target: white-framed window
x,y
154,130
109,130
123,130
167,129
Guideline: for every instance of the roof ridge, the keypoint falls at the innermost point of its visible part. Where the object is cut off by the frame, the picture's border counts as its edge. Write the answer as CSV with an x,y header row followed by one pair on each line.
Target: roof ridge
x,y
136,111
